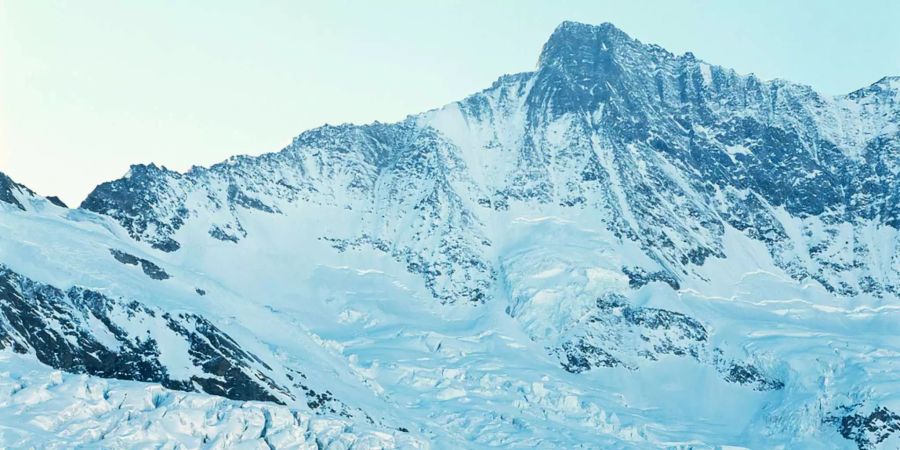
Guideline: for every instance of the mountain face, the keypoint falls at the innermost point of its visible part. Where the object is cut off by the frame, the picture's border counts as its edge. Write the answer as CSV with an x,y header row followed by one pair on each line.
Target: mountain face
x,y
623,248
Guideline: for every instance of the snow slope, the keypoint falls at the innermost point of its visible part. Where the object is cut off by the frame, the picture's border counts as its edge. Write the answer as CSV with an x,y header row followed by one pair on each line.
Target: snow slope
x,y
625,248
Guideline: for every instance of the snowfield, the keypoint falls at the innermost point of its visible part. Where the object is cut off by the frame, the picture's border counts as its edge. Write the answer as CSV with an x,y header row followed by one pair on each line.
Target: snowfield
x,y
622,249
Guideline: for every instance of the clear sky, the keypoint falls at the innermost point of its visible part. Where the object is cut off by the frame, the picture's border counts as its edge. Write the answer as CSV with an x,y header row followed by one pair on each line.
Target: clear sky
x,y
88,87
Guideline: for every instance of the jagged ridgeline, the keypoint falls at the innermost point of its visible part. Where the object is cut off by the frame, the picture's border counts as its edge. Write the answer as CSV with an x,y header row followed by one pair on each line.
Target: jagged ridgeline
x,y
603,252
671,149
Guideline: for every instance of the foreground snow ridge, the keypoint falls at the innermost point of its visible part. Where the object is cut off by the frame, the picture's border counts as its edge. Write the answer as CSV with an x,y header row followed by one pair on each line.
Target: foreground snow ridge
x,y
44,408
624,248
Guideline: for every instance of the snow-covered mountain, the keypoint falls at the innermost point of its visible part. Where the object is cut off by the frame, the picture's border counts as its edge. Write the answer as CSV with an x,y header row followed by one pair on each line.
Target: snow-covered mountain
x,y
624,248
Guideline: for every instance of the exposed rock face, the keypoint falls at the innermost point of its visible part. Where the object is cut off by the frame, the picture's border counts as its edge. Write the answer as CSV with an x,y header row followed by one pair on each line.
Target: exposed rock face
x,y
10,191
149,268
619,334
82,331
57,201
866,430
618,328
138,204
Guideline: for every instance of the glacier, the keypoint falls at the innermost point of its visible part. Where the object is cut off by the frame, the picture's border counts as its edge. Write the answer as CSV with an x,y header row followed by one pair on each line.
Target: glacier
x,y
624,248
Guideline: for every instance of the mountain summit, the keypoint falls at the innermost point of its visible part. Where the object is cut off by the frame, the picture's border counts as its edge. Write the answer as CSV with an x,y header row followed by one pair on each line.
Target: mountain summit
x,y
622,248
574,44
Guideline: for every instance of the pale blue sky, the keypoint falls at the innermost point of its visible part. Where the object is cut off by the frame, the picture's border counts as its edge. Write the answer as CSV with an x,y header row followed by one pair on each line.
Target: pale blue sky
x,y
89,87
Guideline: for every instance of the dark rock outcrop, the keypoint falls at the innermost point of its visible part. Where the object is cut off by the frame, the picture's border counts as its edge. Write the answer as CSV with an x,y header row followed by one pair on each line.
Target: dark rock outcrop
x,y
83,331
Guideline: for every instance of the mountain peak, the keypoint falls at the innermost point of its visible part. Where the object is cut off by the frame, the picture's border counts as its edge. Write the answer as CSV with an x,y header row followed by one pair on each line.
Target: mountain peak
x,y
8,190
13,193
576,29
576,42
